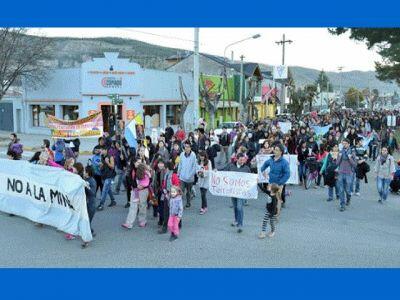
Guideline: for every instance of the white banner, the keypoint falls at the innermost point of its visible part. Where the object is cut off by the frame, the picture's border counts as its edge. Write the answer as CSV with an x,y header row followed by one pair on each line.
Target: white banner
x,y
285,126
234,184
292,160
280,72
46,195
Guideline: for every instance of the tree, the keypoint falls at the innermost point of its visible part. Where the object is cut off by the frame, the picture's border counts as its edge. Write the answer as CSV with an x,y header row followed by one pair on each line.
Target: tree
x,y
387,43
184,105
22,56
354,98
210,99
310,92
323,82
297,101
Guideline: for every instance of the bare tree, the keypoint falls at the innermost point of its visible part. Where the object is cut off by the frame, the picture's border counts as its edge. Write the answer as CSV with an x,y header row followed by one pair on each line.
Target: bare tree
x,y
22,57
184,105
211,100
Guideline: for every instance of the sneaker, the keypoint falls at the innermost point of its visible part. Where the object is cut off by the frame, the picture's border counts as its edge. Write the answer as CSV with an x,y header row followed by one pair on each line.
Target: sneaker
x,y
262,235
187,205
357,194
203,211
380,201
142,224
127,205
234,224
69,237
126,226
271,234
342,208
329,199
100,207
347,202
162,230
283,205
84,245
240,230
172,238
113,203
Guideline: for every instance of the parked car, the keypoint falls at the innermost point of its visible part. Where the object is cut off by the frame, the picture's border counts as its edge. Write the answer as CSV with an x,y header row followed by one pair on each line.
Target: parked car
x,y
229,127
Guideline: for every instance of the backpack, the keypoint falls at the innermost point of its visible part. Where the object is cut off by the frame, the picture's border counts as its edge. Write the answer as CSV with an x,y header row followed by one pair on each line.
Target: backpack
x,y
17,148
96,160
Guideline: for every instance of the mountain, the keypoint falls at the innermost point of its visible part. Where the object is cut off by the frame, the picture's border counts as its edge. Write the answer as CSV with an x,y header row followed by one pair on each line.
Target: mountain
x,y
70,52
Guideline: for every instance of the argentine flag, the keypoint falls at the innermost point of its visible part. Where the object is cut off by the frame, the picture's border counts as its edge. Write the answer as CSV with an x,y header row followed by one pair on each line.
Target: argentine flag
x,y
130,134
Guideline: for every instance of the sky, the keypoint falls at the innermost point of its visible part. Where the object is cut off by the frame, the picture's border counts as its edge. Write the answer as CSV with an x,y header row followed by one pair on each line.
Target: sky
x,y
312,47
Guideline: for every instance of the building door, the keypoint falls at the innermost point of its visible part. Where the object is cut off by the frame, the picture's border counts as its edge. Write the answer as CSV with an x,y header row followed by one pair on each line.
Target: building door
x,y
111,114
6,117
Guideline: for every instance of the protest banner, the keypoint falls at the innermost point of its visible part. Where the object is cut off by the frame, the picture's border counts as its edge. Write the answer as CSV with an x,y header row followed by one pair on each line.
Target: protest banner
x,y
292,160
89,127
285,126
234,184
46,195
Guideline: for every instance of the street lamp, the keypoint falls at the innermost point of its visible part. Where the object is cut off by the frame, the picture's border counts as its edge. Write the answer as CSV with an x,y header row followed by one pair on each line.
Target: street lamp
x,y
253,37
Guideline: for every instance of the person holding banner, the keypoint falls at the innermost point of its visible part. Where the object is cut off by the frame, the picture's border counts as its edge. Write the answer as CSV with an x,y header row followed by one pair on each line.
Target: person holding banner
x,y
238,166
279,172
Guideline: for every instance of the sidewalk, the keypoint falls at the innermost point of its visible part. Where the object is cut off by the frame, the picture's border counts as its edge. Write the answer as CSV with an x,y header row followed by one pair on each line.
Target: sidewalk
x,y
32,142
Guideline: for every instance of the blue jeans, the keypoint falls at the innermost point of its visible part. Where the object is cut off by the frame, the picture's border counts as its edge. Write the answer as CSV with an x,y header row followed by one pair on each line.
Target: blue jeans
x,y
302,170
107,184
383,187
330,191
238,210
345,182
120,179
357,181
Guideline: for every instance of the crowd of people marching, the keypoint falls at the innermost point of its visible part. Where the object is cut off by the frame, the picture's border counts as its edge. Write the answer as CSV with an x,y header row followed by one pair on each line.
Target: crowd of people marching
x,y
159,176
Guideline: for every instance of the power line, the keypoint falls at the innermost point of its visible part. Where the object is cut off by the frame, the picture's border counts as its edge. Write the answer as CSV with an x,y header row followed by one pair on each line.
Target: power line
x,y
158,35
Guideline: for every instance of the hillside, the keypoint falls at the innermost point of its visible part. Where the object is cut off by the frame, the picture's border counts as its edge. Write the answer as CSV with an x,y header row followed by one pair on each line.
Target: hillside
x,y
69,52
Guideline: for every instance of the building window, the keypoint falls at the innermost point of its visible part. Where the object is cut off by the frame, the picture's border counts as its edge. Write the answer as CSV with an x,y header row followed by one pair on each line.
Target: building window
x,y
173,114
70,112
39,113
151,116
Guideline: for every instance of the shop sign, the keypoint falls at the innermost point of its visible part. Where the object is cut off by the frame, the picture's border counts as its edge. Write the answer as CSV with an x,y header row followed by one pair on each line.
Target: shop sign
x,y
111,82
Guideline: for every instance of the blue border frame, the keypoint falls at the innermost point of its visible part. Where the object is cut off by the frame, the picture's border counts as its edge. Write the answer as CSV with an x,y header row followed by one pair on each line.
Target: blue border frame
x,y
203,13
199,283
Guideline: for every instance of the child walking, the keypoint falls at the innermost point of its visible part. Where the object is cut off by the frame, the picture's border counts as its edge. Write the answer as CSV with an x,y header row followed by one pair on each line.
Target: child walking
x,y
271,212
175,212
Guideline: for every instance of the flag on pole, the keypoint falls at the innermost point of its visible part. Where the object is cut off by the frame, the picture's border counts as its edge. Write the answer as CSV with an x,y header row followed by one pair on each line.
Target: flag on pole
x,y
130,134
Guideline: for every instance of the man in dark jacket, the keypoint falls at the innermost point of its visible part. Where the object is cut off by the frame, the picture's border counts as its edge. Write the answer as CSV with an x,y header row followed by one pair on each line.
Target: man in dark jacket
x,y
238,166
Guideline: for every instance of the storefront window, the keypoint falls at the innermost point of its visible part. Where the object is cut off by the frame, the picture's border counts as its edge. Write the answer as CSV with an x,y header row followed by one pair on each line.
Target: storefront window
x,y
151,116
39,113
173,114
70,112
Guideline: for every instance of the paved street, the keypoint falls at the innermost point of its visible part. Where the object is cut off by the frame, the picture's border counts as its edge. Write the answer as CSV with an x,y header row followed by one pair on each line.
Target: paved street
x,y
311,233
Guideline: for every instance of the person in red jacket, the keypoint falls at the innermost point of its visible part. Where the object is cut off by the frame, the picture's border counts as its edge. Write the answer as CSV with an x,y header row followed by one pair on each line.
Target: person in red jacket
x,y
180,134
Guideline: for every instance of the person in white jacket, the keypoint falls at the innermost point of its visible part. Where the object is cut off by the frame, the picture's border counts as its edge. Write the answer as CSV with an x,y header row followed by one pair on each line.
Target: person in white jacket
x,y
384,169
186,171
204,167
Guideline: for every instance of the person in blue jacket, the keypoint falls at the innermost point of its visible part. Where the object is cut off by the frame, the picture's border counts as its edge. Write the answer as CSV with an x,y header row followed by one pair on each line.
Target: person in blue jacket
x,y
279,171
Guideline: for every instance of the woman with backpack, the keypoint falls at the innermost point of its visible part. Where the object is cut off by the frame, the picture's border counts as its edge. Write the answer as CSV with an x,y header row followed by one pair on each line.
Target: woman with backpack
x,y
329,170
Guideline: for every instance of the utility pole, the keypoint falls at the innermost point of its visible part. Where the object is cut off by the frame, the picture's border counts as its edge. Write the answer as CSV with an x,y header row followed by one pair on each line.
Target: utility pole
x,y
241,80
340,85
283,88
196,77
